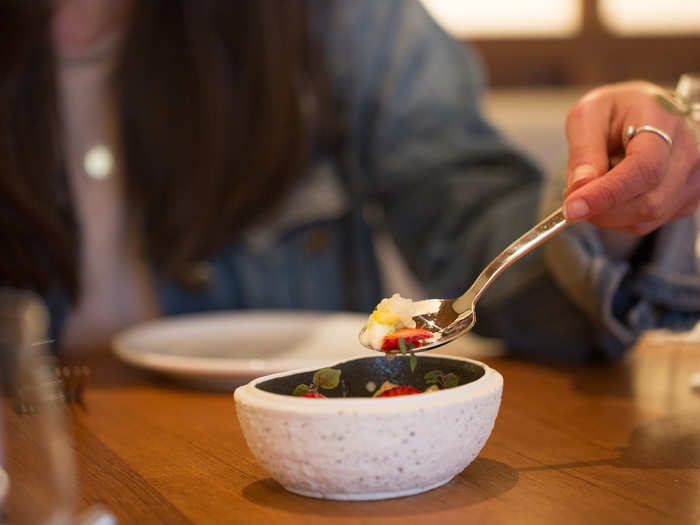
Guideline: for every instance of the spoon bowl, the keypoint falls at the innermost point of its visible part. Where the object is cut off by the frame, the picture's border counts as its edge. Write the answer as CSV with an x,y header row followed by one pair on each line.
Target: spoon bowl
x,y
439,317
449,319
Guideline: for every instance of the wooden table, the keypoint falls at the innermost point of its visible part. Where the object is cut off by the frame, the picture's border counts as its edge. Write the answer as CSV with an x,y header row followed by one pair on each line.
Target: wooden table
x,y
596,444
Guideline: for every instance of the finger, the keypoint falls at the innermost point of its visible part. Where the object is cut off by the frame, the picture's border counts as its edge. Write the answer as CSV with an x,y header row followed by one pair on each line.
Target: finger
x,y
577,181
686,211
576,184
587,133
688,198
648,227
659,204
641,171
649,208
616,159
676,197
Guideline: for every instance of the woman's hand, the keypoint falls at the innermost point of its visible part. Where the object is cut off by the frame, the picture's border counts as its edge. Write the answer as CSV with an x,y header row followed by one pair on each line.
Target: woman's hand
x,y
637,189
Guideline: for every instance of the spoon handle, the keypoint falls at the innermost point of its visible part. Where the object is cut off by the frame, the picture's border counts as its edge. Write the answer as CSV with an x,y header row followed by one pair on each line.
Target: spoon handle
x,y
530,240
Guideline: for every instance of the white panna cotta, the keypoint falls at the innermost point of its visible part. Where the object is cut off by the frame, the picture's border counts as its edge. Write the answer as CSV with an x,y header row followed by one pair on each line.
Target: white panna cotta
x,y
391,314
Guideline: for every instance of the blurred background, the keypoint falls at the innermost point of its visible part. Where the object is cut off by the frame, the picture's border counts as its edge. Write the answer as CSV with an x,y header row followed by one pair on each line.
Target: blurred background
x,y
542,55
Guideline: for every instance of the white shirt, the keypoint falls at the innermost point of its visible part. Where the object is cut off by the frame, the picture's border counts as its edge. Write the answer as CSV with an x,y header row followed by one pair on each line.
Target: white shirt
x,y
116,283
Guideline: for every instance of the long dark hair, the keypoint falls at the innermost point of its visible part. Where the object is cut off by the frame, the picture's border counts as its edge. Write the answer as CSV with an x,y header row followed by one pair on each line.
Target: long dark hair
x,y
212,133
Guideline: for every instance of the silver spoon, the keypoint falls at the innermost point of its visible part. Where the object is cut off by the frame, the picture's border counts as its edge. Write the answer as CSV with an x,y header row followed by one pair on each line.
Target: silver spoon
x,y
449,319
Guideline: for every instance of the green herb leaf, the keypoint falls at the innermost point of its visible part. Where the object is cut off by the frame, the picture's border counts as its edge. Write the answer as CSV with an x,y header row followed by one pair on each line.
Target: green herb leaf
x,y
300,390
327,378
670,106
413,361
433,377
451,380
402,345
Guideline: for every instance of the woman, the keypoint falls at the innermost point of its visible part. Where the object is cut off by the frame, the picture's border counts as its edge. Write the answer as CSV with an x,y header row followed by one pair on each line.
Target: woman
x,y
248,142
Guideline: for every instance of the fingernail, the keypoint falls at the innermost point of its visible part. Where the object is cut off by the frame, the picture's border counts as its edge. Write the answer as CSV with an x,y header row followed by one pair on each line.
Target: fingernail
x,y
582,173
575,210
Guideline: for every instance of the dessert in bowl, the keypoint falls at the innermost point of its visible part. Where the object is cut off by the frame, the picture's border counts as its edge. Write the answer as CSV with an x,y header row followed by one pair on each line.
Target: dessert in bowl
x,y
352,446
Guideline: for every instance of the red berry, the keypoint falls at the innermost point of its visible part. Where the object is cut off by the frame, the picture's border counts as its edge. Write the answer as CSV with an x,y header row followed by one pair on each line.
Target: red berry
x,y
315,395
400,391
411,336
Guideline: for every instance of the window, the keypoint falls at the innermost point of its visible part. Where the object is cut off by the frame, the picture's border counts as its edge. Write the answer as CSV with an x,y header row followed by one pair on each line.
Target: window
x,y
650,17
582,42
507,18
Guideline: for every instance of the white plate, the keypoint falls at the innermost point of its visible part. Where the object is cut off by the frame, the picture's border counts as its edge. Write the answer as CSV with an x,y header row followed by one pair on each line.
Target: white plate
x,y
224,349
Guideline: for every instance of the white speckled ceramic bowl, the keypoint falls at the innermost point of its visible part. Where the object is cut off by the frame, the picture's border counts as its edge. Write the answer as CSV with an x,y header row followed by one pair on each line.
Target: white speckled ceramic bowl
x,y
360,448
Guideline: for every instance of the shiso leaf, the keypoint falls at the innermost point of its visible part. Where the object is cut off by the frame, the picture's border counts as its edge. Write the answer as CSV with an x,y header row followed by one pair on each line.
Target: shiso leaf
x,y
300,390
327,378
413,361
433,376
440,378
402,345
451,380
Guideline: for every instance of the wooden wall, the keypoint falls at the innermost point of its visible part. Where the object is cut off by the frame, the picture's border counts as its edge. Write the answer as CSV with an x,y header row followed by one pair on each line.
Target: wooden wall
x,y
592,57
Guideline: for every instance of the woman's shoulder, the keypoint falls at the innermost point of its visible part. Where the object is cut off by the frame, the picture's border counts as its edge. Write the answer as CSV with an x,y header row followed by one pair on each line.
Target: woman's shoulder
x,y
362,23
366,42
343,14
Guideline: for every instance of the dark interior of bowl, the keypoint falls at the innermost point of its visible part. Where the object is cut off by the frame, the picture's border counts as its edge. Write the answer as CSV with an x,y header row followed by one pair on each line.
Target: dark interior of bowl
x,y
357,373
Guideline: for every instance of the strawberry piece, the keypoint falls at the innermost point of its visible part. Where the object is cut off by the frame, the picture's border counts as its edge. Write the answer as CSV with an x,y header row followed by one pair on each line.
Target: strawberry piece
x,y
411,336
315,395
400,391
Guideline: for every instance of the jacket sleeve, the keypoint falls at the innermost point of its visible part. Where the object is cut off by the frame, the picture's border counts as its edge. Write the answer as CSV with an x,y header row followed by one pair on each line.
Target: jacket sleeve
x,y
454,193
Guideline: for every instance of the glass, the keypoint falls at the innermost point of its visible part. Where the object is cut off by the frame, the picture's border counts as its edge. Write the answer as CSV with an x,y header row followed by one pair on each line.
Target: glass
x,y
37,471
688,90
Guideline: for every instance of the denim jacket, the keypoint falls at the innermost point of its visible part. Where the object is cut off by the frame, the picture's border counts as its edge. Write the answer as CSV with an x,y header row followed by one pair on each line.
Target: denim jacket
x,y
419,160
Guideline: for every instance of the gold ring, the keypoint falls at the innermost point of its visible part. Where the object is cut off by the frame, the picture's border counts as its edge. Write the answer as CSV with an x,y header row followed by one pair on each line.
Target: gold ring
x,y
630,132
